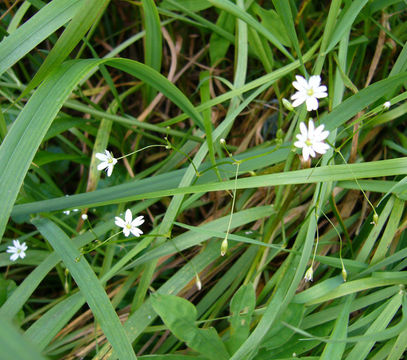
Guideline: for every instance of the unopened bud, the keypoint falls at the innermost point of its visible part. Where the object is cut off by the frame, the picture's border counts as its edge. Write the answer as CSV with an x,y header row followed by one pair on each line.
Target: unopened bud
x,y
375,219
344,274
224,247
84,217
309,274
387,105
198,282
222,141
288,105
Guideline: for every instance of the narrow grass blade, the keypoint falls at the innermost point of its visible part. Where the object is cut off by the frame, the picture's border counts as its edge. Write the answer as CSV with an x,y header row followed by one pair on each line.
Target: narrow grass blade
x,y
14,346
231,8
152,40
345,22
83,20
44,23
90,287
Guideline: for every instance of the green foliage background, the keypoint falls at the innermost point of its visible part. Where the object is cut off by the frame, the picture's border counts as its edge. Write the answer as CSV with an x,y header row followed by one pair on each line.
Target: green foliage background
x,y
165,81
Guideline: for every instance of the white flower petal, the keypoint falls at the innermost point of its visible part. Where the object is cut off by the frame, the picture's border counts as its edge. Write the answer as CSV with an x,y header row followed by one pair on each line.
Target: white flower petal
x,y
128,216
120,222
305,153
109,170
299,144
321,92
320,147
126,231
312,152
298,102
314,81
14,257
138,221
303,129
136,232
312,103
101,156
102,166
301,82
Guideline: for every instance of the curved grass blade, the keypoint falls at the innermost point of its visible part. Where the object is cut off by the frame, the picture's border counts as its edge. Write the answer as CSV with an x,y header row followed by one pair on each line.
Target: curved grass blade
x,y
152,40
19,147
83,20
44,23
247,18
138,190
90,287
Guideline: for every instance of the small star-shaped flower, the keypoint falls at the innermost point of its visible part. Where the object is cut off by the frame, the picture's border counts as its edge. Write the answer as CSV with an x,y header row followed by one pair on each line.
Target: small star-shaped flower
x,y
107,162
308,92
311,140
129,225
18,250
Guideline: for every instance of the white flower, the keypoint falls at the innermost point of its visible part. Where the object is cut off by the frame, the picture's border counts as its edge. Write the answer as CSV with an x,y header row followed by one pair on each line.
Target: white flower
x,y
129,225
18,250
309,274
108,162
387,105
311,140
66,212
308,91
84,217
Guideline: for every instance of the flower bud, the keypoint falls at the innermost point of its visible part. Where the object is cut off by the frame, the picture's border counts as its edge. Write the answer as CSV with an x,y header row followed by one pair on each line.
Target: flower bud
x,y
198,282
224,247
375,218
84,217
287,105
344,274
309,274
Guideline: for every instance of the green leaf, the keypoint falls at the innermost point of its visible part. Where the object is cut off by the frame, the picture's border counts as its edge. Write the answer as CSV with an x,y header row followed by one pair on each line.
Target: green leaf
x,y
25,136
192,5
84,19
241,307
235,10
218,45
345,22
13,346
179,315
90,287
44,23
152,41
280,334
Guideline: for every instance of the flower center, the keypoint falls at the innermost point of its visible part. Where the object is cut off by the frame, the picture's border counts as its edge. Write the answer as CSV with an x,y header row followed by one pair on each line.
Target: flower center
x,y
128,226
310,92
110,160
308,142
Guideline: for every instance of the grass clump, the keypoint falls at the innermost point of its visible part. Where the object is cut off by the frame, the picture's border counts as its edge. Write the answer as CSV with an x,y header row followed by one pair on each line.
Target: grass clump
x,y
202,179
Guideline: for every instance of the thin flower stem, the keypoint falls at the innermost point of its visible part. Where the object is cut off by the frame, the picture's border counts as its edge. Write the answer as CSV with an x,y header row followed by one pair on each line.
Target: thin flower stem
x,y
99,243
144,148
357,183
225,241
170,146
